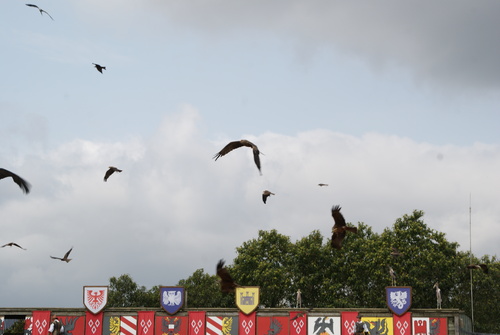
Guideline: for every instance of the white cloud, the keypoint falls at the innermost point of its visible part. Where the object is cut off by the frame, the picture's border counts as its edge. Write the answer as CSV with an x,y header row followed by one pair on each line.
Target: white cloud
x,y
174,209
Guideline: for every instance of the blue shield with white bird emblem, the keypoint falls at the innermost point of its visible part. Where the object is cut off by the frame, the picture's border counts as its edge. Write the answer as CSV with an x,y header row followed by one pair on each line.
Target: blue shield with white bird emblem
x,y
398,299
171,298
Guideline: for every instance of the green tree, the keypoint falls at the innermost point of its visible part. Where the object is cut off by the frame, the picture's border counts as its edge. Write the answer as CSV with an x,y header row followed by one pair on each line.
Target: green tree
x,y
204,291
124,292
266,262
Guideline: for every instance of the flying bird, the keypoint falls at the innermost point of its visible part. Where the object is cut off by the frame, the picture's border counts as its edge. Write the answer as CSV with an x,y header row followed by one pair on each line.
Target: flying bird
x,y
12,244
99,67
483,267
395,253
65,258
110,171
266,194
23,184
339,228
235,145
41,10
227,284
322,184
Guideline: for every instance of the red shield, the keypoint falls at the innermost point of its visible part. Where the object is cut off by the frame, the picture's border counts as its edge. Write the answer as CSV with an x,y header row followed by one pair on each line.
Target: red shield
x,y
95,298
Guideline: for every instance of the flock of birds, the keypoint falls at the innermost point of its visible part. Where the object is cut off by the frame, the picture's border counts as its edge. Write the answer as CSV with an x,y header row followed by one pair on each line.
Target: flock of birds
x,y
227,283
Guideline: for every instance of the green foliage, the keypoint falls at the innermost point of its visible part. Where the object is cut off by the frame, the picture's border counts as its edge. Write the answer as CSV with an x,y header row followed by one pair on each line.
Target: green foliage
x,y
266,262
16,328
124,292
353,277
203,290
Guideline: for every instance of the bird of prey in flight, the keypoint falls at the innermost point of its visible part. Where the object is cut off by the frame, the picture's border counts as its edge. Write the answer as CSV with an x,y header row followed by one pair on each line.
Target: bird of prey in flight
x,y
266,194
41,10
395,253
99,67
339,228
236,144
482,267
23,184
12,244
110,171
65,258
320,184
227,284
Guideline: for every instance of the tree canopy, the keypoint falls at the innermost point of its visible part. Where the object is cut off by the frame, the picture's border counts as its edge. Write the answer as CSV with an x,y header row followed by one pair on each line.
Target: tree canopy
x,y
353,277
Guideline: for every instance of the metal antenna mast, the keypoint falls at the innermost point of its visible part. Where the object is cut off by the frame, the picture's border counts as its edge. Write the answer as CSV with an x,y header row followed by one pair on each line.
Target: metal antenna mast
x,y
470,255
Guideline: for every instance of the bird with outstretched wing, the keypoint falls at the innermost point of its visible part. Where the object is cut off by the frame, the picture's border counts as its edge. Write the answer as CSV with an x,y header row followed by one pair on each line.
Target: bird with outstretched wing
x,y
12,244
65,257
41,10
110,171
237,144
227,284
23,184
339,228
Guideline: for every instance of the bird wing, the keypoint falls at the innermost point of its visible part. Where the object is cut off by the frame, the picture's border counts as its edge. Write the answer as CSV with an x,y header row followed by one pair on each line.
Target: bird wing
x,y
227,282
55,257
17,245
41,10
264,197
67,254
23,184
484,267
31,5
337,216
108,173
228,148
256,157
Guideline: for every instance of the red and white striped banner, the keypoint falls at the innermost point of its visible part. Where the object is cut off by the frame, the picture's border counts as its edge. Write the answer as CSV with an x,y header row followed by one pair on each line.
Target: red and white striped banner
x,y
128,325
41,322
145,323
196,323
93,323
214,325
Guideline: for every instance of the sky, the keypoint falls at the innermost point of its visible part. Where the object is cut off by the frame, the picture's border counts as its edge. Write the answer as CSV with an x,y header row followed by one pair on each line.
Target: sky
x,y
393,104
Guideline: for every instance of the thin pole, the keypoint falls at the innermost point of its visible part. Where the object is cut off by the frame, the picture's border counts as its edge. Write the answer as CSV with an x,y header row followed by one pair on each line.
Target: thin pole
x,y
470,255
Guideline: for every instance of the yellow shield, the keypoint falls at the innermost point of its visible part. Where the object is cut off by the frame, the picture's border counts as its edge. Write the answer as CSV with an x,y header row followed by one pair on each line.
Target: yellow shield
x,y
247,298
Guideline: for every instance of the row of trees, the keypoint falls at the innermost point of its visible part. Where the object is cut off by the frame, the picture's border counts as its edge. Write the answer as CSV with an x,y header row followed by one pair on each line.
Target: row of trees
x,y
355,276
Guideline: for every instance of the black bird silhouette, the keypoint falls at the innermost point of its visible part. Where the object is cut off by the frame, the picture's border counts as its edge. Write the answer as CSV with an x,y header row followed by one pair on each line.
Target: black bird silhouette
x,y
65,258
482,267
12,244
41,10
227,284
322,184
23,184
266,194
99,67
339,228
110,171
236,144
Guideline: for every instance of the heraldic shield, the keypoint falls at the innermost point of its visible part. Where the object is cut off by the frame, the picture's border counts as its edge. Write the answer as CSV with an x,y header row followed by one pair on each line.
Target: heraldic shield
x,y
398,299
247,298
95,298
171,298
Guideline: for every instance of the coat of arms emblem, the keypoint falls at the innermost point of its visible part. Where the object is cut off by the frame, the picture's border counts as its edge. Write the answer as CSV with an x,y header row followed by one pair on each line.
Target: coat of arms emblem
x,y
398,299
247,298
172,298
95,298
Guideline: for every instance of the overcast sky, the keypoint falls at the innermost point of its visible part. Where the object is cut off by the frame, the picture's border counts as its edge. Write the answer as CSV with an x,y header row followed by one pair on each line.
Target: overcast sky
x,y
394,104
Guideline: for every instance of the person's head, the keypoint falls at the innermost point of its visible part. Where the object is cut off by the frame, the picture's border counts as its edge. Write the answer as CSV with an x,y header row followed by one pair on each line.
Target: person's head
x,y
358,317
54,317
